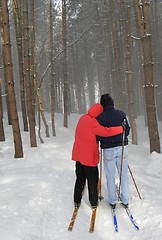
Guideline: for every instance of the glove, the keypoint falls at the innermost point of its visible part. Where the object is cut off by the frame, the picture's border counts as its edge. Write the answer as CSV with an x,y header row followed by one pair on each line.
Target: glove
x,y
124,125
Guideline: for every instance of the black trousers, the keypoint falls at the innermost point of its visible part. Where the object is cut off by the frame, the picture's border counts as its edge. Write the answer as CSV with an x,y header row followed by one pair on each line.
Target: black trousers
x,y
91,174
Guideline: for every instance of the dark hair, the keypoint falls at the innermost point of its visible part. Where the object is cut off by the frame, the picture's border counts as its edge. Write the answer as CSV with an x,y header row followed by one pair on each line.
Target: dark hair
x,y
106,100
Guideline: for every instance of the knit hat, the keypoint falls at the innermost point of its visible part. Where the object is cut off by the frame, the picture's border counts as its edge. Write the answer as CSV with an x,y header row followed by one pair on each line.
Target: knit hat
x,y
106,100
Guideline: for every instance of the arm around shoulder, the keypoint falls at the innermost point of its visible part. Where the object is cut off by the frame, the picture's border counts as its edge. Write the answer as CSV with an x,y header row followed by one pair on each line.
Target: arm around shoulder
x,y
107,132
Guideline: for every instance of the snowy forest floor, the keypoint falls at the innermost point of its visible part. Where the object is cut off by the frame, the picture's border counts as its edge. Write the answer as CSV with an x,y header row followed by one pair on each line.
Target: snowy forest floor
x,y
36,200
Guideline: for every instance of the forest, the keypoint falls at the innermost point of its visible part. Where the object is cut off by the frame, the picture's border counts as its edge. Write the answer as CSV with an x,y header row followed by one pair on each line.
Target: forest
x,y
60,56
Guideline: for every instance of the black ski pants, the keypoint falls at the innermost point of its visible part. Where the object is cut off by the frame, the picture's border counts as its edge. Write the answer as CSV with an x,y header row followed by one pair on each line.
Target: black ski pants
x,y
91,174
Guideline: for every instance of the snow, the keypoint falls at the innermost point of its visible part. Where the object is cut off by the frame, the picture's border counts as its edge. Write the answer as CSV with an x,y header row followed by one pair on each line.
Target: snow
x,y
36,199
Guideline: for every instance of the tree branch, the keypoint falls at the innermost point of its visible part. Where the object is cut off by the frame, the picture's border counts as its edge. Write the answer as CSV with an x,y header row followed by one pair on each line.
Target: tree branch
x,y
62,52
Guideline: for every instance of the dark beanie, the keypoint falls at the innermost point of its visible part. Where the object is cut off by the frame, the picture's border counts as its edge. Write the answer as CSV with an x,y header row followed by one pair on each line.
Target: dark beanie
x,y
106,100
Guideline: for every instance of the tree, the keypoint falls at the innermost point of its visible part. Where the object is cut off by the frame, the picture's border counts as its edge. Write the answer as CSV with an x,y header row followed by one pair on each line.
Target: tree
x,y
30,108
17,8
64,59
143,21
52,72
8,74
115,44
125,11
2,134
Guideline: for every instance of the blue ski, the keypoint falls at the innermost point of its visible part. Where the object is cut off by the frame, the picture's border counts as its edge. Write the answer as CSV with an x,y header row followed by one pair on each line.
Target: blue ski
x,y
131,218
114,220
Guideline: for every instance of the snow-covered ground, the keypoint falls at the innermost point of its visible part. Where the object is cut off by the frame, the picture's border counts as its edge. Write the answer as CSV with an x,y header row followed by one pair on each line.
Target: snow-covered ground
x,y
36,192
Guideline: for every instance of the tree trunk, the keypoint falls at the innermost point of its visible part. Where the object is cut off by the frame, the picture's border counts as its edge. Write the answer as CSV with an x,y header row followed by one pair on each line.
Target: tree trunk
x,y
2,135
129,76
116,82
30,108
52,72
9,81
143,20
64,45
18,27
6,93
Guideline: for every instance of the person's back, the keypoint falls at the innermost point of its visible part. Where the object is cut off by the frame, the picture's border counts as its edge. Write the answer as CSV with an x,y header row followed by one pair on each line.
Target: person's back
x,y
86,154
85,149
113,148
113,117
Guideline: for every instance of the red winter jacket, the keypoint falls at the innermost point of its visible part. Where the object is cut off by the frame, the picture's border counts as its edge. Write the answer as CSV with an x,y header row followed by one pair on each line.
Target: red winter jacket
x,y
85,148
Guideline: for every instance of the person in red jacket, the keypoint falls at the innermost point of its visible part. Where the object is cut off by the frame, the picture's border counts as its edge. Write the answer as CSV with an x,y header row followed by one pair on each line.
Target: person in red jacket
x,y
86,154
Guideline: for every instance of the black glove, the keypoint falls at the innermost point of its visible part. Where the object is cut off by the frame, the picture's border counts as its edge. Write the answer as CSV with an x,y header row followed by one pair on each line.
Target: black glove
x,y
124,124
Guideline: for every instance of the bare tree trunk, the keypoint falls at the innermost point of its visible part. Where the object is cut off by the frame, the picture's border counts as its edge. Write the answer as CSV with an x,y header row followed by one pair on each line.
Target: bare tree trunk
x,y
109,40
116,57
143,21
6,93
33,57
34,75
156,13
2,135
88,75
9,80
33,50
18,27
30,111
64,44
129,76
52,72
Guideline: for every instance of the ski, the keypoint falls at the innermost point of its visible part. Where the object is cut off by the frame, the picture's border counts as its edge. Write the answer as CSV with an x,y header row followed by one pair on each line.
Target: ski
x,y
114,219
131,218
72,221
93,218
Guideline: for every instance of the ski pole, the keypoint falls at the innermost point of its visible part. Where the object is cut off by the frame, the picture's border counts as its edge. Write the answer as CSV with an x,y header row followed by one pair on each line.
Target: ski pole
x,y
121,165
134,182
100,179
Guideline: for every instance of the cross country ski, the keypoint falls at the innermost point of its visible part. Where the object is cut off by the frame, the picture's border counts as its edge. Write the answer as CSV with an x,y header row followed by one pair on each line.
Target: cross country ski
x,y
74,215
93,218
72,221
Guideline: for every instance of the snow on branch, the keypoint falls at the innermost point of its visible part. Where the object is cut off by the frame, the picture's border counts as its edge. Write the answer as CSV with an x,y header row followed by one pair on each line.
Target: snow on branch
x,y
147,35
148,63
150,85
136,38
